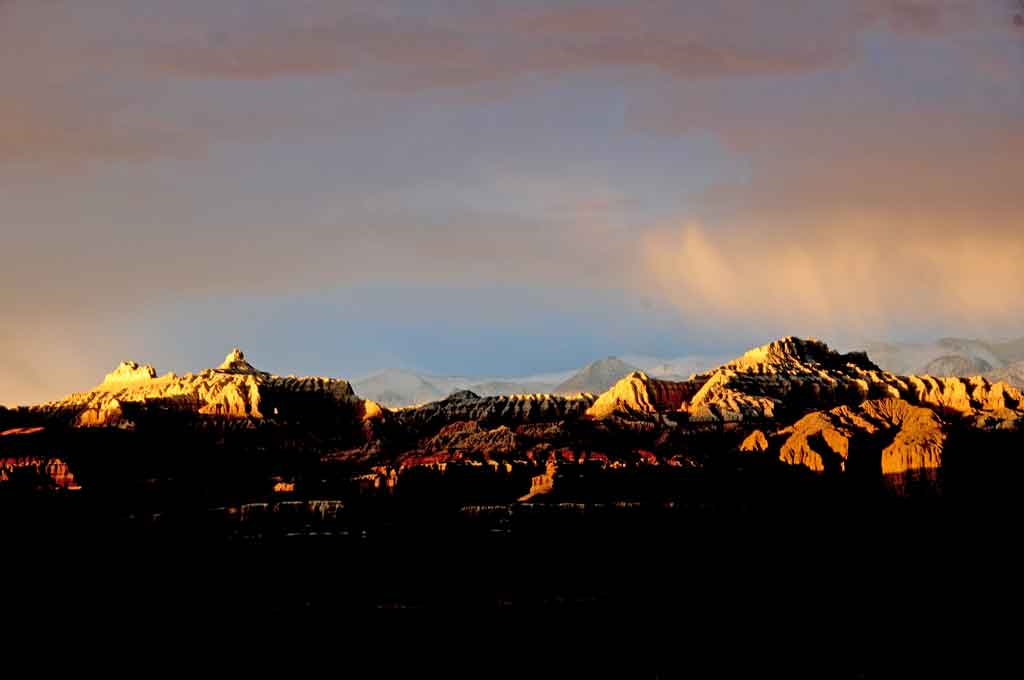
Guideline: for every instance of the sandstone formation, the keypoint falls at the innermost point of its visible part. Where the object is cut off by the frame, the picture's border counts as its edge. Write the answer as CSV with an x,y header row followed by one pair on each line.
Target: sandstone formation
x,y
793,400
887,435
517,408
640,396
542,484
792,376
129,371
233,390
756,441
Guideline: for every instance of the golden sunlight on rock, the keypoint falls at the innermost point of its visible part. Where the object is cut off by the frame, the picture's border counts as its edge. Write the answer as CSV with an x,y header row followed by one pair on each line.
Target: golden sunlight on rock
x,y
889,435
234,390
639,395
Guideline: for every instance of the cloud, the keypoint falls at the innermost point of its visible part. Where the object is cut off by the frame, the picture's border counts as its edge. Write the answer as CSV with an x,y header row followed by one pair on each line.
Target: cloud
x,y
876,145
390,46
880,198
101,83
847,277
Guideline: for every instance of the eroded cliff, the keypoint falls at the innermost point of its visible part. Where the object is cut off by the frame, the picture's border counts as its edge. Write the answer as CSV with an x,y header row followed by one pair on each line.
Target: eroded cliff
x,y
794,400
234,390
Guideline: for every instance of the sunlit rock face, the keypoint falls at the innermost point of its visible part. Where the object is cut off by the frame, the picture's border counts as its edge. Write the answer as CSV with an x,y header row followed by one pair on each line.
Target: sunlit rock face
x,y
834,401
785,376
640,396
756,441
129,371
543,483
760,385
998,405
887,435
233,390
790,376
796,356
811,407
235,362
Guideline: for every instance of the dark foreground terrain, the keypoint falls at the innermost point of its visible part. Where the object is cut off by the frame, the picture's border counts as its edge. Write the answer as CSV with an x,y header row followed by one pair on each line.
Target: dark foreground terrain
x,y
725,571
764,537
795,500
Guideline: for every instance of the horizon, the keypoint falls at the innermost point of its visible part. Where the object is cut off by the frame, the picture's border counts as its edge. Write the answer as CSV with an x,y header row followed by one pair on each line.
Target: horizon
x,y
497,189
705,361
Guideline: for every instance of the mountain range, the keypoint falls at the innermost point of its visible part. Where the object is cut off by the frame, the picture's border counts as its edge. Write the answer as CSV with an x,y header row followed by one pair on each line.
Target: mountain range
x,y
945,357
996,360
398,387
793,401
818,466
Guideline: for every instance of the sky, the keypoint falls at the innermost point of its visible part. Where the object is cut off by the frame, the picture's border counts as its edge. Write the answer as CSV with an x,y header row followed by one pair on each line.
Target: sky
x,y
499,187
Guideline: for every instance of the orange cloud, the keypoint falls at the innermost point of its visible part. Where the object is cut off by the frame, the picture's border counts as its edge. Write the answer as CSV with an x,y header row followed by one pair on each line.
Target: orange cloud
x,y
860,275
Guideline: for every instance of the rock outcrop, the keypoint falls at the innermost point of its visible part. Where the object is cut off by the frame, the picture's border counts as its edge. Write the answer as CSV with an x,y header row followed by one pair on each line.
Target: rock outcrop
x,y
542,484
640,396
129,371
834,402
469,437
756,442
795,400
233,390
887,435
792,376
763,384
517,408
784,377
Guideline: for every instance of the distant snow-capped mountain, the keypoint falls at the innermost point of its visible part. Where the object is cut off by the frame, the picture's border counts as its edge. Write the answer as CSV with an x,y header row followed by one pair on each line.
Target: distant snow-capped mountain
x,y
401,387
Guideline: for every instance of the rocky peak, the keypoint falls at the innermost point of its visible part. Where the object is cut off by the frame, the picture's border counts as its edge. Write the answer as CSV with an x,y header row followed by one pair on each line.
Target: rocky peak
x,y
793,354
792,376
234,390
462,395
596,377
129,371
235,362
639,395
887,435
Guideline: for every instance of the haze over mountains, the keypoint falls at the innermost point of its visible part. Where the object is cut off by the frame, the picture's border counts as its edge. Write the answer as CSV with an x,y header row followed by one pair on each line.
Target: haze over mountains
x,y
996,360
398,387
